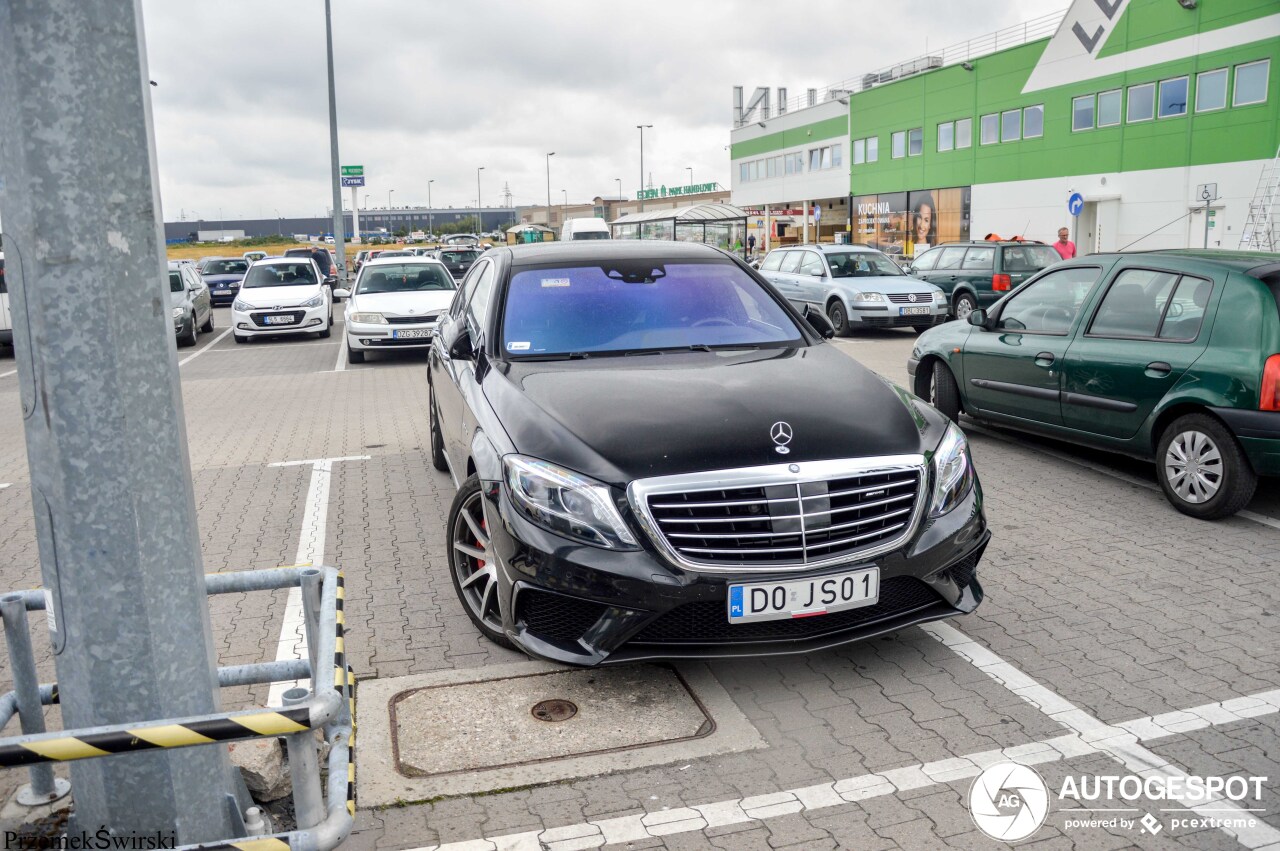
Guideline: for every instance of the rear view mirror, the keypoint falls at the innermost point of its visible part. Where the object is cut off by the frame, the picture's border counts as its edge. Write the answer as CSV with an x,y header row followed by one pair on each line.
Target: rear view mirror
x,y
819,322
978,318
460,346
342,292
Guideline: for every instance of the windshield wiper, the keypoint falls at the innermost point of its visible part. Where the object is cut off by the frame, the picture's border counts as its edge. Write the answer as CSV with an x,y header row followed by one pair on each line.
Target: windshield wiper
x,y
559,356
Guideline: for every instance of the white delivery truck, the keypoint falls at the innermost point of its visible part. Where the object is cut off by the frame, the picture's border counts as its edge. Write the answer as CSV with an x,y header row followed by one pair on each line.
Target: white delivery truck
x,y
585,228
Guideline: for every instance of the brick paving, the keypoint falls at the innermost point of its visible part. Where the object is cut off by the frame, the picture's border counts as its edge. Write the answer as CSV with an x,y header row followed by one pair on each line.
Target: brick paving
x,y
1095,587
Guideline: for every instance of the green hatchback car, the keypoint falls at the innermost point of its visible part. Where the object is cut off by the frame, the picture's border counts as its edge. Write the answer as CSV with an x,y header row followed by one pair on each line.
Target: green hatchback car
x,y
1167,355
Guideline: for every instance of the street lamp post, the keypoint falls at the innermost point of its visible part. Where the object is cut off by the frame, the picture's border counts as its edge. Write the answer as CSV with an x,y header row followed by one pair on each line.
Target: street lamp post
x,y
335,172
642,128
619,180
390,229
431,227
549,156
479,213
564,203
689,169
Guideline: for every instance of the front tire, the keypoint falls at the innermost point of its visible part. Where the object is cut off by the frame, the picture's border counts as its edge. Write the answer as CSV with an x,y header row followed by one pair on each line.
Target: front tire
x,y
438,459
944,393
1202,469
354,355
240,338
471,562
207,327
189,339
839,319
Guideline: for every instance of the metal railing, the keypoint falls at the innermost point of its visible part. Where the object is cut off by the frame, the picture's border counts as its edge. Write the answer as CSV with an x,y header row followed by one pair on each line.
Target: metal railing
x,y
328,705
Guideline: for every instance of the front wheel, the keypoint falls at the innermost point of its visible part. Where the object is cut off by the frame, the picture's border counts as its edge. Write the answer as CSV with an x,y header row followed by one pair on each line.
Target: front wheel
x,y
354,355
438,459
471,562
964,305
944,393
1202,469
839,319
207,327
240,338
190,337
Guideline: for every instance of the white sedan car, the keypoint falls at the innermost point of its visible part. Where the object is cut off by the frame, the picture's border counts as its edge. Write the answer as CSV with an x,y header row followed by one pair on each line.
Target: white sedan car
x,y
395,304
282,295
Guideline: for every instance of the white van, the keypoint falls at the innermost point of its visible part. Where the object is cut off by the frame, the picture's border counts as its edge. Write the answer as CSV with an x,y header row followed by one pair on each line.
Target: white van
x,y
587,228
6,322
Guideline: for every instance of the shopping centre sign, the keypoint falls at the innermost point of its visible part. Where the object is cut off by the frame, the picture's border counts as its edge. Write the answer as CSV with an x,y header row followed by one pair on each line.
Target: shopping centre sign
x,y
668,191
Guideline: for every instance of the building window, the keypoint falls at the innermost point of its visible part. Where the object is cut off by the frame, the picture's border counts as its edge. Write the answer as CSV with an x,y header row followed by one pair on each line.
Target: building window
x,y
915,142
1033,121
1082,113
1173,97
990,129
836,159
859,151
755,169
815,159
1211,90
946,136
873,148
1251,83
899,142
964,133
1109,108
826,158
772,168
1011,125
1142,102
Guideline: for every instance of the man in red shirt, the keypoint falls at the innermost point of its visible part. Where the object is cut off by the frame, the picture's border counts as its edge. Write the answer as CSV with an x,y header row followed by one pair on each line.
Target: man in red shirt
x,y
1066,248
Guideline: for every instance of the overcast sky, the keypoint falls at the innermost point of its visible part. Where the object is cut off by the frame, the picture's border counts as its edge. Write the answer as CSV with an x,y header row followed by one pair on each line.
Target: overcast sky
x,y
431,89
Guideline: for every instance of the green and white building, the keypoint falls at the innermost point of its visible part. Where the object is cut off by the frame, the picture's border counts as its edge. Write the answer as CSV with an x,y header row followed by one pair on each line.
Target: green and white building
x,y
1136,105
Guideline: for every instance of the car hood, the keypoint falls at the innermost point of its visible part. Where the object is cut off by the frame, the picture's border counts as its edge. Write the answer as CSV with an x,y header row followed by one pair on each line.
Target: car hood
x,y
402,304
620,419
885,284
278,296
233,278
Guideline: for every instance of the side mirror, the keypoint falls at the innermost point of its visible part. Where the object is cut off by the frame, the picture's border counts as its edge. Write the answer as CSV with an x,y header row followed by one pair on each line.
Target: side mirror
x,y
909,269
330,280
978,318
460,346
819,322
342,292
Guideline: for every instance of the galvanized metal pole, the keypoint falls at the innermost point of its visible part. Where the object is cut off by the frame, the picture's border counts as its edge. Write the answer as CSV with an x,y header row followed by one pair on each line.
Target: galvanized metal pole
x,y
106,438
339,235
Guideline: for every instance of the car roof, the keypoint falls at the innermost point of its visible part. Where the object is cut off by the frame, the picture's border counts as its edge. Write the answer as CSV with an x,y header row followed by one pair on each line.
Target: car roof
x,y
400,261
589,250
827,247
272,261
173,264
1248,262
204,259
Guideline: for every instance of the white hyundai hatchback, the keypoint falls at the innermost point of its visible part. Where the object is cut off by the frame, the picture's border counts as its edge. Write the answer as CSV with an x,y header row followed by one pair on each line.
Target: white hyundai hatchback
x,y
282,295
395,304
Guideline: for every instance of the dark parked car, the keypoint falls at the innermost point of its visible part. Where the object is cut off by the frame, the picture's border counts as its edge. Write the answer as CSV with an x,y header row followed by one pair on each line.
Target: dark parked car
x,y
977,274
657,456
224,276
459,260
1168,355
189,303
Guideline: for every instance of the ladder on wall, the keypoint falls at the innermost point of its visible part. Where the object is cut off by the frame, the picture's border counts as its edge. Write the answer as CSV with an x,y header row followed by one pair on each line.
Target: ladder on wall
x,y
1259,232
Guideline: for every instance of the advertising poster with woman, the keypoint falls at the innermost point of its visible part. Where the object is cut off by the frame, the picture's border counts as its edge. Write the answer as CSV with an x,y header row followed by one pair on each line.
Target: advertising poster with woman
x,y
908,223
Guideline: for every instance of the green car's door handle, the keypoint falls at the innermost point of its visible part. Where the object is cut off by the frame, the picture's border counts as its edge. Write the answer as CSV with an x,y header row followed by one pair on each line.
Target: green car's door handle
x,y
1044,359
1159,367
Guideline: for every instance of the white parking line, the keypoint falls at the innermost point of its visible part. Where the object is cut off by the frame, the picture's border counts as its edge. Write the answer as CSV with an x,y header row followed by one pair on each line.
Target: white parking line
x,y
198,352
634,828
341,362
1119,742
315,518
9,373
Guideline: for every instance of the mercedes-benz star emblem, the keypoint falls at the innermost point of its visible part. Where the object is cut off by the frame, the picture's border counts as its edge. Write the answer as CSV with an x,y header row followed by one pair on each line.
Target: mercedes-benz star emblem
x,y
911,297
781,434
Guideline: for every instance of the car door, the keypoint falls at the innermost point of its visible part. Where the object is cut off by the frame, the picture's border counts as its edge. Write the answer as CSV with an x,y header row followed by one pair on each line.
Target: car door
x,y
1148,329
769,267
201,296
1013,370
445,380
475,315
812,280
943,265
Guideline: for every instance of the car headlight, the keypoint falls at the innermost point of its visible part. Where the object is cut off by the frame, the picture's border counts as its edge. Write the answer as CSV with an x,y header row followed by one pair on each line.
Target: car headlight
x,y
940,297
369,318
952,472
314,302
566,503
867,297
241,306
178,312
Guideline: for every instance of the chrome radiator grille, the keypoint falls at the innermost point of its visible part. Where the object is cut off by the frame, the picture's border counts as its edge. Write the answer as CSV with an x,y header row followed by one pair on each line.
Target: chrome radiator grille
x,y
789,524
905,298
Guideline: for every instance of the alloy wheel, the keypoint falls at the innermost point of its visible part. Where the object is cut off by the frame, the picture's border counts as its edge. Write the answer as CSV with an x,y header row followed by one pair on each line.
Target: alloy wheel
x,y
1193,467
473,563
963,308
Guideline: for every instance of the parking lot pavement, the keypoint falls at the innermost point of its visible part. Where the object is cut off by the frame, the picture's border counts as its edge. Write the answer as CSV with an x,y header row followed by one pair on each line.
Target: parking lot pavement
x,y
1116,635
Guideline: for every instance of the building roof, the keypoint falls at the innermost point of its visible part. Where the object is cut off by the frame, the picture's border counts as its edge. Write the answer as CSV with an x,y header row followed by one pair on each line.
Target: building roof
x,y
692,213
527,226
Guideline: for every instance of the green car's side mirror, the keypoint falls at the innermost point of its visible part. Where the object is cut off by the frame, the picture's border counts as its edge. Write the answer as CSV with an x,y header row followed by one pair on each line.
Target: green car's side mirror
x,y
978,318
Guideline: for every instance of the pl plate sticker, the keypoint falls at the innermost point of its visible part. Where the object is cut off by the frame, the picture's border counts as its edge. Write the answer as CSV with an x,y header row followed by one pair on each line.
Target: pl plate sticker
x,y
517,347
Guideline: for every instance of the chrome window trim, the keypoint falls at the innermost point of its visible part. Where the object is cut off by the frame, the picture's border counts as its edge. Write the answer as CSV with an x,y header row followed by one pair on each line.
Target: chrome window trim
x,y
640,490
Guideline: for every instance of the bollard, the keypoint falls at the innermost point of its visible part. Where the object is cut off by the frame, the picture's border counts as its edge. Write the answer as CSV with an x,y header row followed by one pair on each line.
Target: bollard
x,y
44,788
310,580
304,767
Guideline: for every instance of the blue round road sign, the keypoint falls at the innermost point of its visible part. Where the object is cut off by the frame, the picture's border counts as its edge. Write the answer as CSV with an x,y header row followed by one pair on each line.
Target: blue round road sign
x,y
1075,203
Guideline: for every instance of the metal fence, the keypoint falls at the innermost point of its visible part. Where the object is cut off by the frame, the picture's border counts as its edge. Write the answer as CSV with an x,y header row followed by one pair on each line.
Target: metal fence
x,y
328,705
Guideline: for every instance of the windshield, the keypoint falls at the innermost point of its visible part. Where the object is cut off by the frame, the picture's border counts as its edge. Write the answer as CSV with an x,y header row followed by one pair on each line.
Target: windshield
x,y
1029,258
280,275
591,234
175,282
640,305
861,264
404,278
226,267
459,256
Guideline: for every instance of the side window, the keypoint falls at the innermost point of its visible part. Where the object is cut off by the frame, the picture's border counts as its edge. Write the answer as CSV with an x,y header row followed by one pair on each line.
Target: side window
x,y
478,303
950,257
1050,303
925,262
1185,314
979,259
1134,305
465,289
772,262
791,262
812,264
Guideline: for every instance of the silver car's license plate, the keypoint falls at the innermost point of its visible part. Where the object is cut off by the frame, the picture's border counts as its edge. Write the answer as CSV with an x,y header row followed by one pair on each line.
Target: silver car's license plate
x,y
803,598
411,333
914,311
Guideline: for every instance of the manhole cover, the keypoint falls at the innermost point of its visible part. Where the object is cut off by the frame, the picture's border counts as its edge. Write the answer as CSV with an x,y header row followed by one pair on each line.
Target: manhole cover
x,y
554,710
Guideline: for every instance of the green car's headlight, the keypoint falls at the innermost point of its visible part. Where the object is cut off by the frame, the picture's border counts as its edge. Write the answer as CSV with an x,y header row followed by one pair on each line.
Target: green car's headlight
x,y
566,503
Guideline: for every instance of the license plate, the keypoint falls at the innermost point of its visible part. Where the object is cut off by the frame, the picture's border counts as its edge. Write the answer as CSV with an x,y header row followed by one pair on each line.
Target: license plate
x,y
914,311
411,333
277,320
803,598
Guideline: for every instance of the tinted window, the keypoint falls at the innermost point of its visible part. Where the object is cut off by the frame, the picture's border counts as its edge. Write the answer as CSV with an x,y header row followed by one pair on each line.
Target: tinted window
x,y
225,267
926,261
1134,305
1029,258
176,284
280,275
639,305
459,256
979,259
468,287
772,262
791,262
951,257
1186,310
811,264
1142,102
1173,97
1049,304
404,277
478,302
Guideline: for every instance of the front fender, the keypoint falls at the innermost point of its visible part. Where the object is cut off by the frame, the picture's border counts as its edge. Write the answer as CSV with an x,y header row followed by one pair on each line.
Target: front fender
x,y
486,457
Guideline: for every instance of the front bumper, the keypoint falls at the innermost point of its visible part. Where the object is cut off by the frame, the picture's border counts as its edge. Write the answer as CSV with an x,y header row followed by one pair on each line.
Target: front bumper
x,y
1259,436
583,605
368,337
305,320
890,316
223,296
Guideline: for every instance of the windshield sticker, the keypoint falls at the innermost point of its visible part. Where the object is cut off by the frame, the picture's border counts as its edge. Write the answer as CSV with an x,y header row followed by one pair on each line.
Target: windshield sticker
x,y
517,347
555,282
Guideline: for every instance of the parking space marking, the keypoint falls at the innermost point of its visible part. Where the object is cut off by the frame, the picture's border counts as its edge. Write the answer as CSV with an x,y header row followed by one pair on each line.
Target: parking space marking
x,y
1118,742
9,373
1260,519
315,520
634,828
341,363
198,352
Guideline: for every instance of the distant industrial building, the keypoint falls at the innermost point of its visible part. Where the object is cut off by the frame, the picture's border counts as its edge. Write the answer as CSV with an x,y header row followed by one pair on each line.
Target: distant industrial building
x,y
372,220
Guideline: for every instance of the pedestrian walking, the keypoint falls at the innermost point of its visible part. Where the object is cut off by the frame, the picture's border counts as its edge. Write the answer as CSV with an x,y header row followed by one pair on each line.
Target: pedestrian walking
x,y
1064,246
751,245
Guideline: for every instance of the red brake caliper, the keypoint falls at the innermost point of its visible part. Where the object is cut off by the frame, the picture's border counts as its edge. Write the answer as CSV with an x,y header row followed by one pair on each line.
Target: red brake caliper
x,y
480,561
